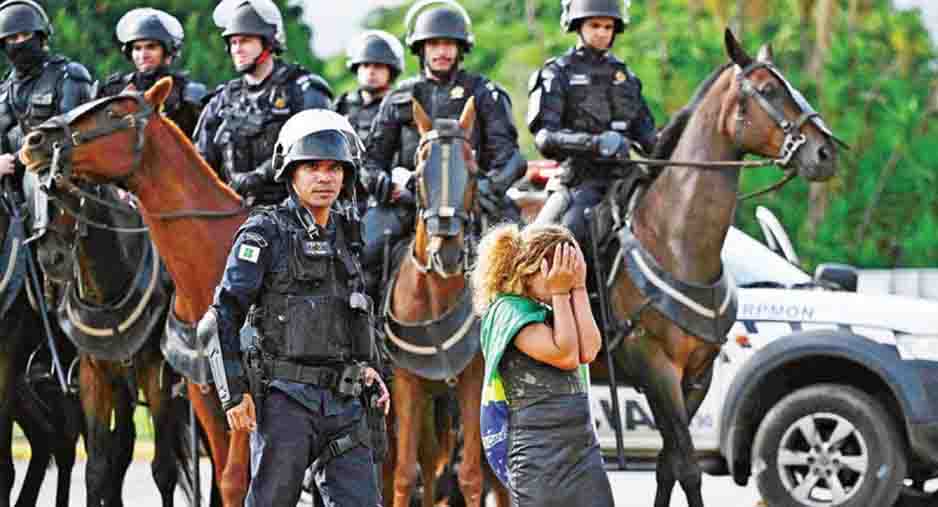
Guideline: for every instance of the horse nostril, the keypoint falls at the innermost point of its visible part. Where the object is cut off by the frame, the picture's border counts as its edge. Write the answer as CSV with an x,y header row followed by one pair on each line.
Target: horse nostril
x,y
35,139
824,153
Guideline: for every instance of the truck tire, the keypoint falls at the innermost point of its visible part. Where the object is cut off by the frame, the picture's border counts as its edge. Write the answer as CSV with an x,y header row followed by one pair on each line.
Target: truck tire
x,y
828,445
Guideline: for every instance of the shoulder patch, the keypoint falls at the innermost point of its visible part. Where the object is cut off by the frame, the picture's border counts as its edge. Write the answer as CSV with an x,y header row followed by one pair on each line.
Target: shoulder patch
x,y
249,253
309,80
402,97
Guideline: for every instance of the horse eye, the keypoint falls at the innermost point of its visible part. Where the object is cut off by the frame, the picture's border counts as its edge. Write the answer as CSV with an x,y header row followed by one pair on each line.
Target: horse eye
x,y
770,91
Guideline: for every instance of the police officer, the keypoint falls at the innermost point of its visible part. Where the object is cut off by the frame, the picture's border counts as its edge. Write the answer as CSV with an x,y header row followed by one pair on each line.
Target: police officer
x,y
239,126
40,85
294,267
586,109
151,39
439,34
377,58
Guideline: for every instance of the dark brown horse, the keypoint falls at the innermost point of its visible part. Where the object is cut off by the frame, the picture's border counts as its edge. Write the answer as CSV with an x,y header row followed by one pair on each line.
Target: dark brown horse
x,y
192,217
432,332
113,307
745,107
30,393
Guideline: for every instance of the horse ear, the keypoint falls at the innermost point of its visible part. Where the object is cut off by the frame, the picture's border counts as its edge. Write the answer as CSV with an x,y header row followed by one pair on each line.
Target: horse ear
x,y
468,117
421,118
766,54
736,51
157,93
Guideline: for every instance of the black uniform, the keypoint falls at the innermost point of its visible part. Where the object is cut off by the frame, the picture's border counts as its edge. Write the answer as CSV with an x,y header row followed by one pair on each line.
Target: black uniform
x,y
185,101
239,127
394,137
296,280
359,111
52,87
580,95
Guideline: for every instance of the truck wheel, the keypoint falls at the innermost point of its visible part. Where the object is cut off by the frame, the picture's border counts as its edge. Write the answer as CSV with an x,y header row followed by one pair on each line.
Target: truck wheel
x,y
828,445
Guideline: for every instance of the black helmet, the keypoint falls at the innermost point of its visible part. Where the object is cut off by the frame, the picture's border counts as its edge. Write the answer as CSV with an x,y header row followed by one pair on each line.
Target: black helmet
x,y
450,22
251,17
376,46
318,134
575,11
23,16
149,24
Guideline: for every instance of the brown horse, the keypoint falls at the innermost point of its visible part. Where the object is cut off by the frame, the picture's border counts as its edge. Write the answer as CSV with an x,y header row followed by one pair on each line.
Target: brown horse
x,y
191,214
431,336
680,225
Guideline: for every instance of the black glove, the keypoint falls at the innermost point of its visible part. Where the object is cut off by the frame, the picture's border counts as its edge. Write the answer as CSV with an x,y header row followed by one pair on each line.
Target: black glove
x,y
489,201
252,182
611,144
380,187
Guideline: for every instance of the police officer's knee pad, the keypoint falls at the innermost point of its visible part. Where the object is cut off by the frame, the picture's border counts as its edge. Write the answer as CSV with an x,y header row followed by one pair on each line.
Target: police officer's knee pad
x,y
379,221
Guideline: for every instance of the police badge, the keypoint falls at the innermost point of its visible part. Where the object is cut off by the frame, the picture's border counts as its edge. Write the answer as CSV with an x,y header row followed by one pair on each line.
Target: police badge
x,y
457,92
619,76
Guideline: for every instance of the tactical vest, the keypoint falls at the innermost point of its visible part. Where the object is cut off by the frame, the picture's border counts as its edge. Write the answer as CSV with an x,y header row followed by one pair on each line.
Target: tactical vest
x,y
250,123
304,312
601,95
183,114
440,100
359,115
35,100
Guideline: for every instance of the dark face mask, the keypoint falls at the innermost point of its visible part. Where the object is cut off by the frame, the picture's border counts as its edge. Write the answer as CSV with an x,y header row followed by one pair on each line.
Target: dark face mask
x,y
26,55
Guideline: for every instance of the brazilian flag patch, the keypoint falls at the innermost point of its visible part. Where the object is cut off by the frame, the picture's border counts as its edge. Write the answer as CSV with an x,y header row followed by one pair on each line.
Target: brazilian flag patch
x,y
249,253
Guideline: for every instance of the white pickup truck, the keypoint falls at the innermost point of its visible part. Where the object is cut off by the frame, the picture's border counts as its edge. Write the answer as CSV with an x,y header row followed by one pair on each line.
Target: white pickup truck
x,y
819,392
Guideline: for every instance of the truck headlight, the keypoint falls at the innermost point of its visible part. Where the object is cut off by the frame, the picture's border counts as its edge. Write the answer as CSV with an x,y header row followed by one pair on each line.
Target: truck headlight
x,y
917,346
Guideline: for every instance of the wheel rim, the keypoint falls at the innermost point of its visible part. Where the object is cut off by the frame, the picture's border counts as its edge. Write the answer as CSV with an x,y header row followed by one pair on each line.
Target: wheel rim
x,y
823,460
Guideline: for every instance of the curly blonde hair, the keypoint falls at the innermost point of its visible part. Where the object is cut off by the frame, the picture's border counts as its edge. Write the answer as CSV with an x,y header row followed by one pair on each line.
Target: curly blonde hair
x,y
508,255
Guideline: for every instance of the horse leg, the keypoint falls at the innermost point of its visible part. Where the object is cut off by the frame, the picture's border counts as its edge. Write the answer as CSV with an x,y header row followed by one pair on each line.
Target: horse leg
x,y
663,389
469,389
7,372
158,395
428,449
408,400
231,455
40,454
97,400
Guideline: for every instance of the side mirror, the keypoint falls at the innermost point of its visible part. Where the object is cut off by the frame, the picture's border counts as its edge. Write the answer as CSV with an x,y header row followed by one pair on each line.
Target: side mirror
x,y
837,276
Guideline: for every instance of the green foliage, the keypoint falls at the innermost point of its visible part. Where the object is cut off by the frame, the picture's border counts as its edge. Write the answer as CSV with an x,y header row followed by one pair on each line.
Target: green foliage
x,y
873,89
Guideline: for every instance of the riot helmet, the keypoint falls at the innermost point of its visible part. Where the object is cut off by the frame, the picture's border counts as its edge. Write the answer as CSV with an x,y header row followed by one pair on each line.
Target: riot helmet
x,y
575,11
446,20
376,46
261,18
18,16
149,24
318,134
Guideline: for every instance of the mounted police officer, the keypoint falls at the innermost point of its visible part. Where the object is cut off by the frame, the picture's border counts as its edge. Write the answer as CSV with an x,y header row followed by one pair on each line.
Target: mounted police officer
x,y
151,39
586,109
40,86
294,274
439,33
376,58
239,126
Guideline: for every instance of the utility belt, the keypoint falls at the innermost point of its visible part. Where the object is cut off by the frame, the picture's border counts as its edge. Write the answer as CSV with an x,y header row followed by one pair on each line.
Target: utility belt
x,y
345,380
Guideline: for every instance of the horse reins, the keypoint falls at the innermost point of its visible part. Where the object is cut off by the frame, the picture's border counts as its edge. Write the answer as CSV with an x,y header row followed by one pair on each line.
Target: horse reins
x,y
61,171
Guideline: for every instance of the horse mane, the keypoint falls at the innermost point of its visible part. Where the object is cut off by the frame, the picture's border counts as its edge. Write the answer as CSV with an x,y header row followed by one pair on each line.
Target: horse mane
x,y
671,133
186,145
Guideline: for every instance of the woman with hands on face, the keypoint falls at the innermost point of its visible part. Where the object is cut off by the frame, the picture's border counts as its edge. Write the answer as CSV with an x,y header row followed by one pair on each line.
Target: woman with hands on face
x,y
538,336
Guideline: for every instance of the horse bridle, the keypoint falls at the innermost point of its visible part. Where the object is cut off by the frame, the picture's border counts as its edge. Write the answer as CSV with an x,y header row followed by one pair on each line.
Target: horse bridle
x,y
60,166
794,138
446,212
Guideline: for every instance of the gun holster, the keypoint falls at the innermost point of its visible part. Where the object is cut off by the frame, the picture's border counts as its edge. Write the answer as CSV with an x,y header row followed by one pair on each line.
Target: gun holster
x,y
377,424
258,380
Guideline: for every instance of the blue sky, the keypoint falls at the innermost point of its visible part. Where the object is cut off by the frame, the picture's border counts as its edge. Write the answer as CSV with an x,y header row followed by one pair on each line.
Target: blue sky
x,y
337,22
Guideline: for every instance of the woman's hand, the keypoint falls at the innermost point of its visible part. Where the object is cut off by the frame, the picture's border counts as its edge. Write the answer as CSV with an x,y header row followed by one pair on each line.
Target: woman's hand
x,y
579,268
561,277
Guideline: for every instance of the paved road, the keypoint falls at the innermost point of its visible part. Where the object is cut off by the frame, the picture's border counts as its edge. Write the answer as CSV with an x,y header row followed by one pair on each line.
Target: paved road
x,y
631,488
